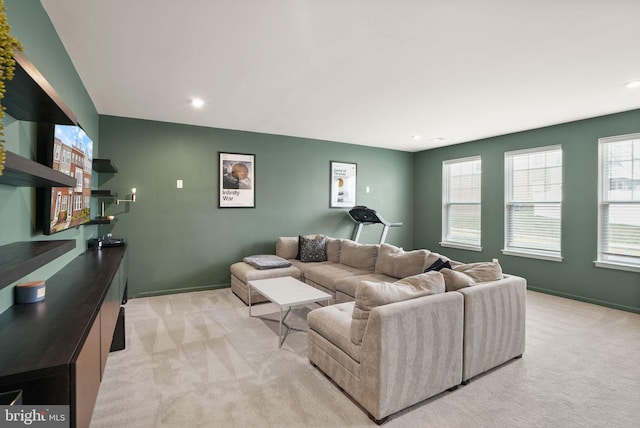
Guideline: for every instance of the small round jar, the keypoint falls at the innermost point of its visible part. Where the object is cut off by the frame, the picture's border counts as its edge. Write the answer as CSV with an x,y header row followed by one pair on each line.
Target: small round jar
x,y
30,292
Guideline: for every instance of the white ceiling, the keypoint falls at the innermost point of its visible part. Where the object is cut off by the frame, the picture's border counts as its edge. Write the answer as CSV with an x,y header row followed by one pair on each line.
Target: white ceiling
x,y
369,72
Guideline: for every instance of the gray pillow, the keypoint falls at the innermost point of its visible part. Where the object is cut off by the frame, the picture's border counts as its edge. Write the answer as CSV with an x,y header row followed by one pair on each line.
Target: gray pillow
x,y
372,294
313,249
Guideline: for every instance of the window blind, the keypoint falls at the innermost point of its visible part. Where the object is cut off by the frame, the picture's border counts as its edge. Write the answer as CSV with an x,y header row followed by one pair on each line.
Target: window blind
x,y
533,200
462,201
619,214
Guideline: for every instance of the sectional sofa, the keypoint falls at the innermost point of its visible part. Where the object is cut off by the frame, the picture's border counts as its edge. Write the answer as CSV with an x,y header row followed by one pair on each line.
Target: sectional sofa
x,y
404,325
344,265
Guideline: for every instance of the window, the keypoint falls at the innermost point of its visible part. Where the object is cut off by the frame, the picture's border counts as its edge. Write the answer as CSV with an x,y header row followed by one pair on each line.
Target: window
x,y
533,203
78,178
461,197
619,203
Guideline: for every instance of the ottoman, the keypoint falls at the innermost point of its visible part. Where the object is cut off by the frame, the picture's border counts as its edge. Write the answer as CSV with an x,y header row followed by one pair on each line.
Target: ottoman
x,y
242,272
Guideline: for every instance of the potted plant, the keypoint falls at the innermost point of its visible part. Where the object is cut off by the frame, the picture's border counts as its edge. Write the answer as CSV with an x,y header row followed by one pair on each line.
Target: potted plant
x,y
8,45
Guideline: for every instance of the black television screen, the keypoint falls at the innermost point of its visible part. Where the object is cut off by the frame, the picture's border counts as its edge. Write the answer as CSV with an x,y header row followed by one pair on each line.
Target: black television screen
x,y
68,149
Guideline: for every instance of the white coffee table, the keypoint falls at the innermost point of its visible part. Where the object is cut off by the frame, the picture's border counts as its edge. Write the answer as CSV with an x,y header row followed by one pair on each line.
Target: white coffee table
x,y
286,292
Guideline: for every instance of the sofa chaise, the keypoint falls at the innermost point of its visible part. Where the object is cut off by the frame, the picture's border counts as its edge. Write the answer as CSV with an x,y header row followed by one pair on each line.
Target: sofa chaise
x,y
418,339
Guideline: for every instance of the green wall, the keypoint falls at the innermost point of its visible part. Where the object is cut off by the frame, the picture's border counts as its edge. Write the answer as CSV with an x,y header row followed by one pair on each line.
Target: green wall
x,y
180,240
576,276
31,25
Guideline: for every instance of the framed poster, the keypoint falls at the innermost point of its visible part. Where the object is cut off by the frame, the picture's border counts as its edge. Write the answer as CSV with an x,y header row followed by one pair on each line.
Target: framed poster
x,y
343,185
237,180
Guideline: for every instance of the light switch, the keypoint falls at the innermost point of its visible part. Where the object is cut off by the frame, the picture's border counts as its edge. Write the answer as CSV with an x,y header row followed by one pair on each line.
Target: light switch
x,y
179,184
367,189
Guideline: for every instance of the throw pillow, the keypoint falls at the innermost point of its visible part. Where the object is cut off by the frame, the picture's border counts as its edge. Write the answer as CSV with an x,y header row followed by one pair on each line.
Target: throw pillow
x,y
287,247
372,294
360,256
482,271
395,262
313,249
439,265
432,281
454,280
433,257
300,243
333,249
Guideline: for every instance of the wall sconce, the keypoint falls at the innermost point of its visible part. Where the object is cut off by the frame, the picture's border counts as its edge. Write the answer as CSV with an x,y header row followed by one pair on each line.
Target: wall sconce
x,y
133,197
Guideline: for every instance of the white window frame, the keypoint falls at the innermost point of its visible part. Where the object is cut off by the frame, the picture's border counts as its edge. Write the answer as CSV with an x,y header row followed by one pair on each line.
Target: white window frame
x,y
608,259
523,251
447,240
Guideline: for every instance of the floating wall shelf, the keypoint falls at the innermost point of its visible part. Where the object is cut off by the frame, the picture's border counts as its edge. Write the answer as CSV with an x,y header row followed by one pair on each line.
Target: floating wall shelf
x,y
107,194
104,165
22,172
31,97
21,258
99,221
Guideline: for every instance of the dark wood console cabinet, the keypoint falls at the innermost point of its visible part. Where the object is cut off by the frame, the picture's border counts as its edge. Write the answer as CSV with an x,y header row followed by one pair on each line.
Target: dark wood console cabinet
x,y
55,350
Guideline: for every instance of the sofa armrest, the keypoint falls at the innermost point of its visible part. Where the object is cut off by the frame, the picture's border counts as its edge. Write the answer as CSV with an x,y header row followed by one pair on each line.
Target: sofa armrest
x,y
494,324
411,350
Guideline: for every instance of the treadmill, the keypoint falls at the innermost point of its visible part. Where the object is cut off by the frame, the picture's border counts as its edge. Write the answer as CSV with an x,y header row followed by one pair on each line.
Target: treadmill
x,y
364,216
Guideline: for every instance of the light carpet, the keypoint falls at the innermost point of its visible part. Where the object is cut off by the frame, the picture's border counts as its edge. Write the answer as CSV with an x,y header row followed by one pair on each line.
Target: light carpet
x,y
198,360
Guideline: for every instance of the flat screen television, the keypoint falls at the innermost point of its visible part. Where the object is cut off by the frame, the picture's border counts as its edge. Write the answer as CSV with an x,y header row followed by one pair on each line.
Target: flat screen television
x,y
68,149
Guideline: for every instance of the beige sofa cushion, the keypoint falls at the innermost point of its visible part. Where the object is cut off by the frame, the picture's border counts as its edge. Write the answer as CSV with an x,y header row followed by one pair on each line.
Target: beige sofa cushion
x,y
372,294
333,249
348,285
481,271
466,275
287,247
327,274
396,262
333,323
454,280
428,281
360,256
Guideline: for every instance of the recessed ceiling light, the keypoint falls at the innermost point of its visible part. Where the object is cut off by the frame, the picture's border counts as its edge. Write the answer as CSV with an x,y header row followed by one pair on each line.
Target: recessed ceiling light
x,y
197,102
633,84
437,140
416,137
